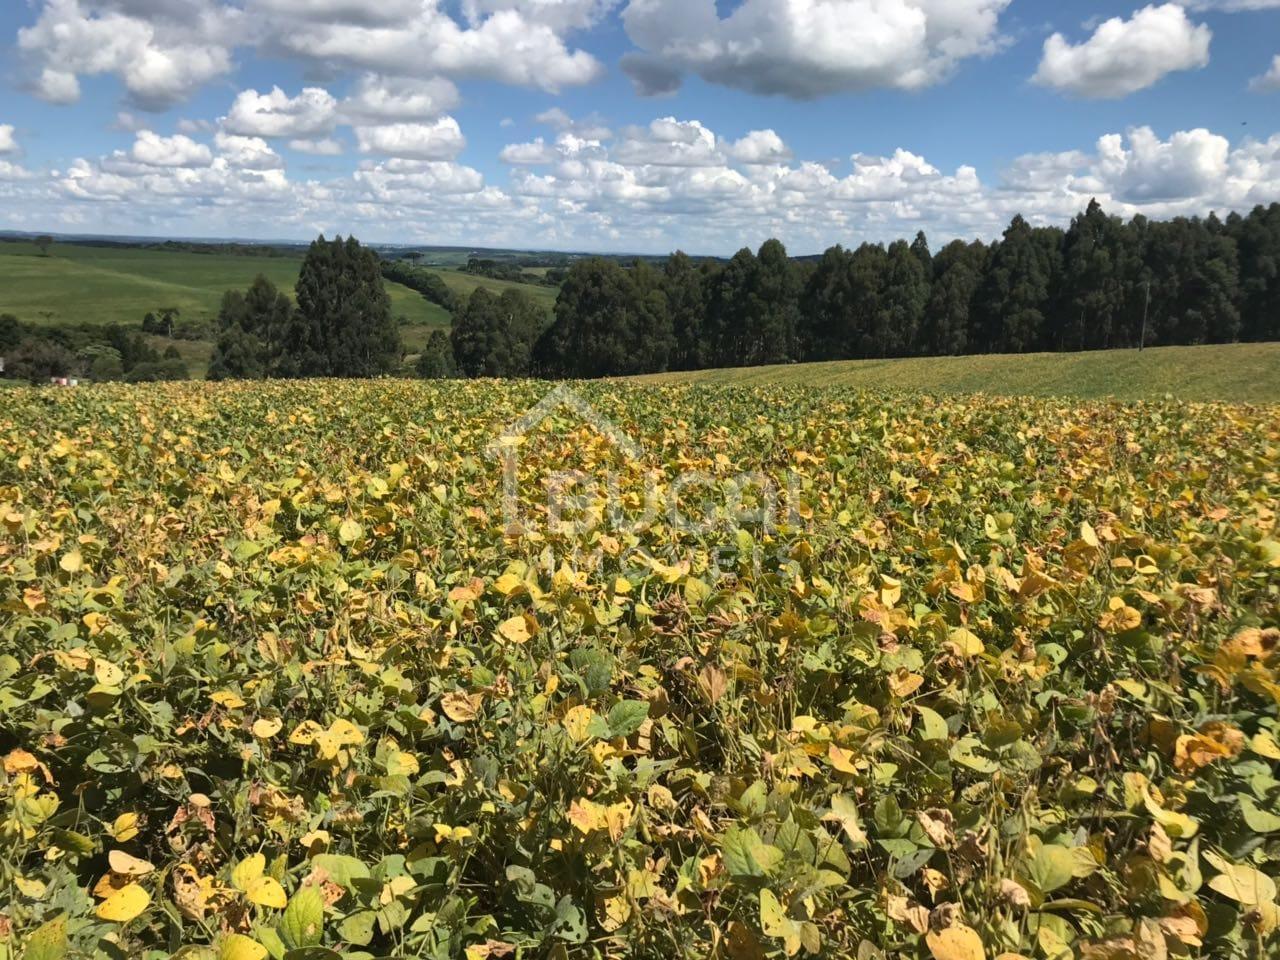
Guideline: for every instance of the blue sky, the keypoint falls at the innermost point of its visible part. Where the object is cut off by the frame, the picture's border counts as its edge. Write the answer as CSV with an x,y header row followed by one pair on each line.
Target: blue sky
x,y
635,125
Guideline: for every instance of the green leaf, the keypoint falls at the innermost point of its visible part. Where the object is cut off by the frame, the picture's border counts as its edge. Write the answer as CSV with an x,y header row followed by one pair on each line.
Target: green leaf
x,y
342,870
1051,867
302,923
358,928
933,726
48,941
626,717
1257,819
746,855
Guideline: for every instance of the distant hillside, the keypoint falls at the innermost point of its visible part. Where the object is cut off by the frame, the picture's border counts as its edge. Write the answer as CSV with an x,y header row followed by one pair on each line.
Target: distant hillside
x,y
1244,372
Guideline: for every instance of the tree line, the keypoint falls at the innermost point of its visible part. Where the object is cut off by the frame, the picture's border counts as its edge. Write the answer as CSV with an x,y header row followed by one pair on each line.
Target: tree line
x,y
99,352
1101,283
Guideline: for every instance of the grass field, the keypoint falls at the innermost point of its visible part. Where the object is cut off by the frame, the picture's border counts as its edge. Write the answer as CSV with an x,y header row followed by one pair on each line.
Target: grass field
x,y
1244,372
463,283
297,670
120,284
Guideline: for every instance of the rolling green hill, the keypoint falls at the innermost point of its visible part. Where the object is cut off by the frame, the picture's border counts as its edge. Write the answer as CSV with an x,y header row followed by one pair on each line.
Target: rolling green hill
x,y
463,283
1242,372
120,284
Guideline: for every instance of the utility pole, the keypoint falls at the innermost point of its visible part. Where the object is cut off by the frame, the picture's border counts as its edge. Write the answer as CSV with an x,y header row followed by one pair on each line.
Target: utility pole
x,y
1142,337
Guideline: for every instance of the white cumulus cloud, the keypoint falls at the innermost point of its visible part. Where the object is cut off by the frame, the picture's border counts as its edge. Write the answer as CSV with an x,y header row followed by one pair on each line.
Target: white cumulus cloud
x,y
1125,56
1268,81
250,153
380,99
7,142
760,146
162,54
807,48
311,114
153,150
441,140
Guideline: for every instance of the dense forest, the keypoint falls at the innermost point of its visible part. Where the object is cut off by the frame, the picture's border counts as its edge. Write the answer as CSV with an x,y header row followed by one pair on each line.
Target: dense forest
x,y
97,351
1101,283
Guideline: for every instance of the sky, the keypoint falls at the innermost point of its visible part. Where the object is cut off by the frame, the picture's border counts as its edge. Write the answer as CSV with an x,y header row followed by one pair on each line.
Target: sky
x,y
629,125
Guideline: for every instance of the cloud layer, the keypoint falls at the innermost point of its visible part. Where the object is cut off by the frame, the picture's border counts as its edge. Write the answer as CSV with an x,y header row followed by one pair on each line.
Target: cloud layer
x,y
673,182
162,52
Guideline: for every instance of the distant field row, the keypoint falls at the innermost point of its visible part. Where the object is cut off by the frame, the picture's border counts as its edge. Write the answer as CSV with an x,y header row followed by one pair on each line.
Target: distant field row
x,y
1240,372
103,285
78,284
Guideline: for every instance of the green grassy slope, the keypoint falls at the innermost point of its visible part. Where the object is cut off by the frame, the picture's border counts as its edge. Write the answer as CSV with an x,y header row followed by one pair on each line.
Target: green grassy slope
x,y
463,283
1245,372
119,284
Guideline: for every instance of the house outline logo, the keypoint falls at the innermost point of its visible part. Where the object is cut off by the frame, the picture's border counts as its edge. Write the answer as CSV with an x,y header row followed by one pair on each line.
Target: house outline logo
x,y
506,446
562,396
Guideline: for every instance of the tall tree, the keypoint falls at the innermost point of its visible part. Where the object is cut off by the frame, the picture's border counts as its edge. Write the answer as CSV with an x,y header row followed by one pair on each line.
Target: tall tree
x,y
728,302
252,331
772,321
683,284
905,295
343,326
1195,282
1257,238
920,247
608,320
1101,276
826,307
435,362
1015,292
958,270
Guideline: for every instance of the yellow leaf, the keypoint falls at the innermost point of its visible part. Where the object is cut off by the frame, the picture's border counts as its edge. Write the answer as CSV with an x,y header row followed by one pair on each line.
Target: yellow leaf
x,y
515,629
305,733
237,946
125,827
266,892
446,833
127,865
248,870
31,887
965,643
507,584
72,562
614,913
1088,535
228,699
267,727
461,707
345,733
903,683
956,942
841,759
1241,883
1175,824
123,905
587,815
577,721
107,673
1264,745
